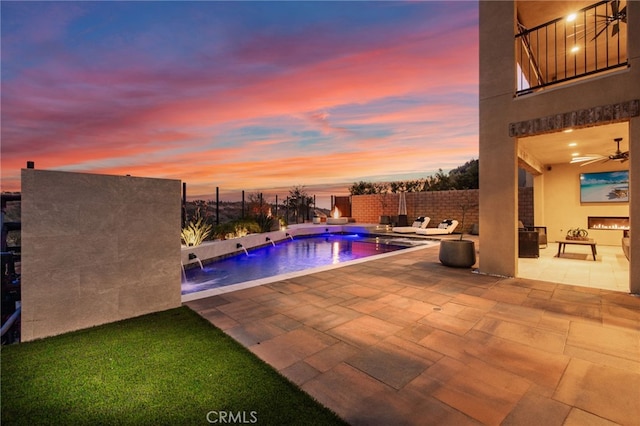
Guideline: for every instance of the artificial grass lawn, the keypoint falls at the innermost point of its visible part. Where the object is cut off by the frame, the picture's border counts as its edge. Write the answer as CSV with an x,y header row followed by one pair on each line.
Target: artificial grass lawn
x,y
171,367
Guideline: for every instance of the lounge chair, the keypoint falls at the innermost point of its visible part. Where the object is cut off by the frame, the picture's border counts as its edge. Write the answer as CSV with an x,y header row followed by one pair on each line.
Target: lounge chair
x,y
420,223
445,227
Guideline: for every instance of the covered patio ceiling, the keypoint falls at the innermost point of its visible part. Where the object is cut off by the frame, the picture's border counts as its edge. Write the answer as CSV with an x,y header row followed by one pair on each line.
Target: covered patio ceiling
x,y
558,148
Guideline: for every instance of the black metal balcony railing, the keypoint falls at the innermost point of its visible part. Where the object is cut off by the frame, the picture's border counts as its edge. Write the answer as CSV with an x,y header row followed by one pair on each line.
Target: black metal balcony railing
x,y
590,41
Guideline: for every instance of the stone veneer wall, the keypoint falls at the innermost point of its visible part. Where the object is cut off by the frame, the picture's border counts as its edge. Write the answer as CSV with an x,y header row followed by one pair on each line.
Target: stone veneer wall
x,y
96,249
438,205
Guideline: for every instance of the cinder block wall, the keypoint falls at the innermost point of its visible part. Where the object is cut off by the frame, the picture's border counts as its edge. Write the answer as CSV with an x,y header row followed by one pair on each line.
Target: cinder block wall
x,y
438,205
96,249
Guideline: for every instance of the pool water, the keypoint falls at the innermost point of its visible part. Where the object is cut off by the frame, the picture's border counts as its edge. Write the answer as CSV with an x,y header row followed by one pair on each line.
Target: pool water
x,y
288,256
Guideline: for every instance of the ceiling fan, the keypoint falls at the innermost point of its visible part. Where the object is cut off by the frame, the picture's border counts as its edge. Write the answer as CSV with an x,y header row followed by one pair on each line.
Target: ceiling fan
x,y
617,15
594,158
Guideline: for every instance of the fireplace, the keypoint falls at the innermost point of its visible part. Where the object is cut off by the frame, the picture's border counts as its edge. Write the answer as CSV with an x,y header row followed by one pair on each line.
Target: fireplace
x,y
608,222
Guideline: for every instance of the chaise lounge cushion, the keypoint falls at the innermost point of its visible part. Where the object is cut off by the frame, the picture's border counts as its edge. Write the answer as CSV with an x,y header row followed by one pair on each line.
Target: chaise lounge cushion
x,y
445,227
419,223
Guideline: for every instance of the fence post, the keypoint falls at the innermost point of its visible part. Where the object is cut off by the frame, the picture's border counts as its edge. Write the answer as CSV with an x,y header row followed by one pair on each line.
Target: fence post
x,y
184,204
217,205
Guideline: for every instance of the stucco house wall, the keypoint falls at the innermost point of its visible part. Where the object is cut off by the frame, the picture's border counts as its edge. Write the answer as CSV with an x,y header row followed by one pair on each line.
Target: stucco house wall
x,y
499,151
96,249
563,209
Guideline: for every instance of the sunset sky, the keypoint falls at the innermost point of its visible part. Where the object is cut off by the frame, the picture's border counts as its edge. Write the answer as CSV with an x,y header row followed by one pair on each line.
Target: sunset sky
x,y
254,96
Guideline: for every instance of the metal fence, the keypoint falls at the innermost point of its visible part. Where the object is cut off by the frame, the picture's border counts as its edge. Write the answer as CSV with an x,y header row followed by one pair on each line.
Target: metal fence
x,y
590,41
250,205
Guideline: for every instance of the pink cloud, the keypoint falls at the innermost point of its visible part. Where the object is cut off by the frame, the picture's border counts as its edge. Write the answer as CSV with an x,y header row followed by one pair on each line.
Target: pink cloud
x,y
119,116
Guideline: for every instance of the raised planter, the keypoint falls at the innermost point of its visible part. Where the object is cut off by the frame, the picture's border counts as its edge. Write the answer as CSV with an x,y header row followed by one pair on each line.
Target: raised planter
x,y
457,253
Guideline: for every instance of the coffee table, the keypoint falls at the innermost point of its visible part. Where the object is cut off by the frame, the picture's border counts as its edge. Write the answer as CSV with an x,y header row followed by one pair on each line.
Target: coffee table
x,y
590,242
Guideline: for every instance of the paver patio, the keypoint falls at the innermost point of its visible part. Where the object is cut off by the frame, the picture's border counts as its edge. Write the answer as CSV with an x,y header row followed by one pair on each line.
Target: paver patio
x,y
404,340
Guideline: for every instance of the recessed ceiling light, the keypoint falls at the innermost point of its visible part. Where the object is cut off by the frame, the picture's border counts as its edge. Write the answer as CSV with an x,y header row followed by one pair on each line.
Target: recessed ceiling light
x,y
574,49
568,130
572,17
573,144
575,154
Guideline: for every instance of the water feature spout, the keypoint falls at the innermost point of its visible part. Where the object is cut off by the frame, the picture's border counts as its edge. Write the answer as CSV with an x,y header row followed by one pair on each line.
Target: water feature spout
x,y
288,235
195,256
270,240
239,245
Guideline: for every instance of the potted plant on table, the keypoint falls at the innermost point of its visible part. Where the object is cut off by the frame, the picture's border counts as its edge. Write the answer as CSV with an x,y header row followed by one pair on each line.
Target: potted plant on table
x,y
459,253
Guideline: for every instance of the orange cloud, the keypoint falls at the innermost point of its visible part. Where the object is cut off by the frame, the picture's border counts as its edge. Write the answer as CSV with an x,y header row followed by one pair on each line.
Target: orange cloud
x,y
279,111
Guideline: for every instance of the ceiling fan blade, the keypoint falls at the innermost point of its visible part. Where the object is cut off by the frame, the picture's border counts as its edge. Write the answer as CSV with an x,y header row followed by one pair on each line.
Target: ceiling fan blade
x,y
587,157
624,156
601,31
623,14
614,7
616,28
603,159
577,33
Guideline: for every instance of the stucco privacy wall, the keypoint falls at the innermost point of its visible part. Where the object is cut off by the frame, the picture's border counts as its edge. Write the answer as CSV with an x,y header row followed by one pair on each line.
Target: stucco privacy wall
x,y
438,205
96,249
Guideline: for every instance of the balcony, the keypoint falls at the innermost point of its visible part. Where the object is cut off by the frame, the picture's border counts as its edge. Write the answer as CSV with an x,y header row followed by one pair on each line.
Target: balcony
x,y
588,42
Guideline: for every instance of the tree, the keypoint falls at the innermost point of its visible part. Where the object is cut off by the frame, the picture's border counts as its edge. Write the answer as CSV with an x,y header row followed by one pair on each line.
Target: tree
x,y
298,202
441,181
257,206
382,192
462,177
466,176
362,188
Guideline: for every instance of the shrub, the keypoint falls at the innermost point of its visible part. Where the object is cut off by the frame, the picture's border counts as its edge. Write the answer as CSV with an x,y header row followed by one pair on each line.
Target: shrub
x,y
196,231
265,222
236,228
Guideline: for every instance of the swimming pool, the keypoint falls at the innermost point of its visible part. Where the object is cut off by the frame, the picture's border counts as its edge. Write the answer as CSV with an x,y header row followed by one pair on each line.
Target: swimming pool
x,y
289,256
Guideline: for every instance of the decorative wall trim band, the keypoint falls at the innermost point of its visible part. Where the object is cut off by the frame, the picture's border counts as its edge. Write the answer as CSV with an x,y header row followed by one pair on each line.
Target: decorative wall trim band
x,y
576,119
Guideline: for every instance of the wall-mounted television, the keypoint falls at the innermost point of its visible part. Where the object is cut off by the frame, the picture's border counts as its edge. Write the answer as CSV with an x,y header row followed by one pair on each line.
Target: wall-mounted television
x,y
604,187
